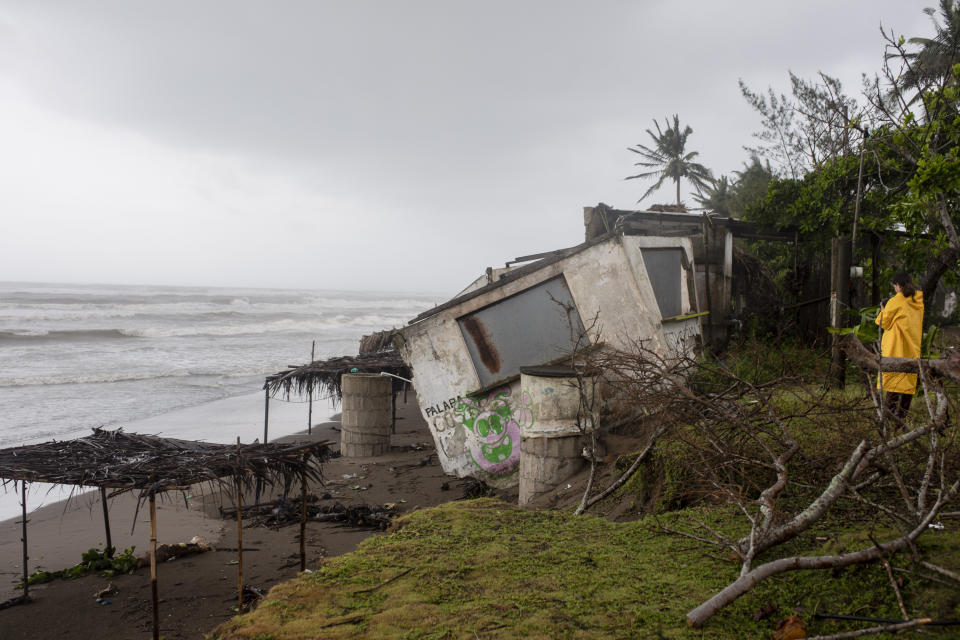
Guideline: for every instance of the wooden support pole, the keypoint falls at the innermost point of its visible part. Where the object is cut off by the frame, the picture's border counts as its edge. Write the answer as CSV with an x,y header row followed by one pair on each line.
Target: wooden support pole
x,y
266,415
313,347
303,519
106,522
153,566
840,299
238,499
23,524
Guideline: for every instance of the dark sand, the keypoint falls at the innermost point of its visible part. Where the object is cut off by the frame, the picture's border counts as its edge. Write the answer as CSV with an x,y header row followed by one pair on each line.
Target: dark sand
x,y
198,592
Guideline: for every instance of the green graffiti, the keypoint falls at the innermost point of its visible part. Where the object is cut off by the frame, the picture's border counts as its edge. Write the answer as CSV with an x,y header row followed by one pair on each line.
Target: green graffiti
x,y
496,423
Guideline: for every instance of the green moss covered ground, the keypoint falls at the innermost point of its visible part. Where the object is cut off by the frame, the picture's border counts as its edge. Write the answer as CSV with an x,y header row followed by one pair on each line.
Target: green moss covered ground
x,y
487,569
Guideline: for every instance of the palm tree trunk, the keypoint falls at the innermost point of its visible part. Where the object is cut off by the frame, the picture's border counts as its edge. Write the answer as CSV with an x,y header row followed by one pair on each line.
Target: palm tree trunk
x,y
678,192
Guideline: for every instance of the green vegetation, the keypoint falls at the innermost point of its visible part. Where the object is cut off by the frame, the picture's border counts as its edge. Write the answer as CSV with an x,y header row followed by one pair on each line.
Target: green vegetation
x,y
92,561
487,569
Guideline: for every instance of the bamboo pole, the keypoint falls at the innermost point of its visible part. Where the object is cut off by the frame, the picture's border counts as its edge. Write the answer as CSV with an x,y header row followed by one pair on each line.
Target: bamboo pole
x,y
23,523
303,518
313,347
106,522
153,566
238,489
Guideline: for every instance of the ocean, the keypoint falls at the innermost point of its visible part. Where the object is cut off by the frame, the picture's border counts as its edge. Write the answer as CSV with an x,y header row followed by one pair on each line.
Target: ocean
x,y
75,357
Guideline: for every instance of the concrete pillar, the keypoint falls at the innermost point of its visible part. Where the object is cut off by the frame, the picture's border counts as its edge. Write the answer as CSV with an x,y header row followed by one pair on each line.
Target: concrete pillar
x,y
367,418
551,449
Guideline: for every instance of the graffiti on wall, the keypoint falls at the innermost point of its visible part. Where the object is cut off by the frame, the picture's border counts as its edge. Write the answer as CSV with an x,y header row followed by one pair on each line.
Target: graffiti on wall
x,y
496,423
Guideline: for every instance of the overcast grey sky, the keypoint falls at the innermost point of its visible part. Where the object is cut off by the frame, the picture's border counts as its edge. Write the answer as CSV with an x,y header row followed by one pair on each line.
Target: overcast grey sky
x,y
377,145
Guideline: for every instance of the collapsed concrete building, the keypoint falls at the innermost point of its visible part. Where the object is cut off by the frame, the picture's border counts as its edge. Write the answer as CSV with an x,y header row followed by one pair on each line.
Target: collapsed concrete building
x,y
467,355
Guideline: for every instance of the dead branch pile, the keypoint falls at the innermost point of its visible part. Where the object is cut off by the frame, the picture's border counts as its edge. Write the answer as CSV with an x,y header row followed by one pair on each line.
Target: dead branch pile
x,y
283,511
324,375
116,459
786,454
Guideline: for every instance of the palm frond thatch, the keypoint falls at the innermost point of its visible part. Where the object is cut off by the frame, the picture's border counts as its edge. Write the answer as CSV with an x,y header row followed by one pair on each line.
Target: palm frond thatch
x,y
151,464
324,375
377,342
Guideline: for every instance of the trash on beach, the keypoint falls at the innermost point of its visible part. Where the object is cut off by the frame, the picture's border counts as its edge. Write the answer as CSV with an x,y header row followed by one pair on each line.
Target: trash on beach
x,y
170,552
108,590
361,515
200,541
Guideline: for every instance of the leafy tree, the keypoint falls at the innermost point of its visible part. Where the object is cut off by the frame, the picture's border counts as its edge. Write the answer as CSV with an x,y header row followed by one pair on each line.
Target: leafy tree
x,y
911,157
916,108
669,159
806,129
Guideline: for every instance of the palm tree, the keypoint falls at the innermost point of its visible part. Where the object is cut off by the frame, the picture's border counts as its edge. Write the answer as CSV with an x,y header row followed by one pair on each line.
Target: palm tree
x,y
668,159
935,57
718,197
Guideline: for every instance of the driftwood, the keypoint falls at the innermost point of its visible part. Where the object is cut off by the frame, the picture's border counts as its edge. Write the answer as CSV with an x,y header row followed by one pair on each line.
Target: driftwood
x,y
167,552
282,512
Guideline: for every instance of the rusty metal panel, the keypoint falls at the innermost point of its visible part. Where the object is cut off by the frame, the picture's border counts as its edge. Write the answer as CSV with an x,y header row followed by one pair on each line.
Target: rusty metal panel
x,y
528,328
665,270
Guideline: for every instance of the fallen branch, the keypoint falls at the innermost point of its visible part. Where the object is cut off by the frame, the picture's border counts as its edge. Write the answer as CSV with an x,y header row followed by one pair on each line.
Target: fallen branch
x,y
896,589
697,616
619,482
948,367
890,628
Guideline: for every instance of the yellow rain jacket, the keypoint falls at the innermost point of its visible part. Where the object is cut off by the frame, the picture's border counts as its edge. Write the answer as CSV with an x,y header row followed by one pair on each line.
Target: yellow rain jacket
x,y
902,322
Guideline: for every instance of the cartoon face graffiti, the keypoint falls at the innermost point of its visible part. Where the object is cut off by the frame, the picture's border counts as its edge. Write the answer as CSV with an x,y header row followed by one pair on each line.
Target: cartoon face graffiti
x,y
496,424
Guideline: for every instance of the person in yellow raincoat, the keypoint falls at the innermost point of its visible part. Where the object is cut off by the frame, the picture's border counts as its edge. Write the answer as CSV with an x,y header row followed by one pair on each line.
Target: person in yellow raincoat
x,y
901,319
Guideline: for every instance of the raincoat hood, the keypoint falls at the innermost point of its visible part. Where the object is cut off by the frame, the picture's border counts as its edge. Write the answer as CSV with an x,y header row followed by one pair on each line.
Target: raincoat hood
x,y
915,301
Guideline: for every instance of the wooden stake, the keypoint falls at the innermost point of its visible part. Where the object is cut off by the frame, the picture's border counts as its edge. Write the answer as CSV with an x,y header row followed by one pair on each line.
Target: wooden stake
x,y
303,518
266,415
106,522
153,566
23,522
239,501
313,347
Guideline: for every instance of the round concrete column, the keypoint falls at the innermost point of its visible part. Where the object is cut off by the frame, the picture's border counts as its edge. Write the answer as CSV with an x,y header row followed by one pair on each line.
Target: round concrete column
x,y
367,418
551,450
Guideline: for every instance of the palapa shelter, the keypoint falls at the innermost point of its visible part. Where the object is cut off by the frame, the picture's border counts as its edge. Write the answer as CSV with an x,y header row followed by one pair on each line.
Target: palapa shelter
x,y
151,465
324,375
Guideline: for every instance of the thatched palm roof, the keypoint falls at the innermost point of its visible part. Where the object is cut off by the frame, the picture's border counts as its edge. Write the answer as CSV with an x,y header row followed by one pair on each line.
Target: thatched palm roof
x,y
325,374
152,464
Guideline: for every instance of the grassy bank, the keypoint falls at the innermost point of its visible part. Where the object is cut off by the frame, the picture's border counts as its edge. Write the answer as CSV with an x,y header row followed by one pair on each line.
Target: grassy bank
x,y
486,569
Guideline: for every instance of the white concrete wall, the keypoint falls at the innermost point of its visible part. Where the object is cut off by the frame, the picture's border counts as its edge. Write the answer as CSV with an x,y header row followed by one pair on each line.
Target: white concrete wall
x,y
481,436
